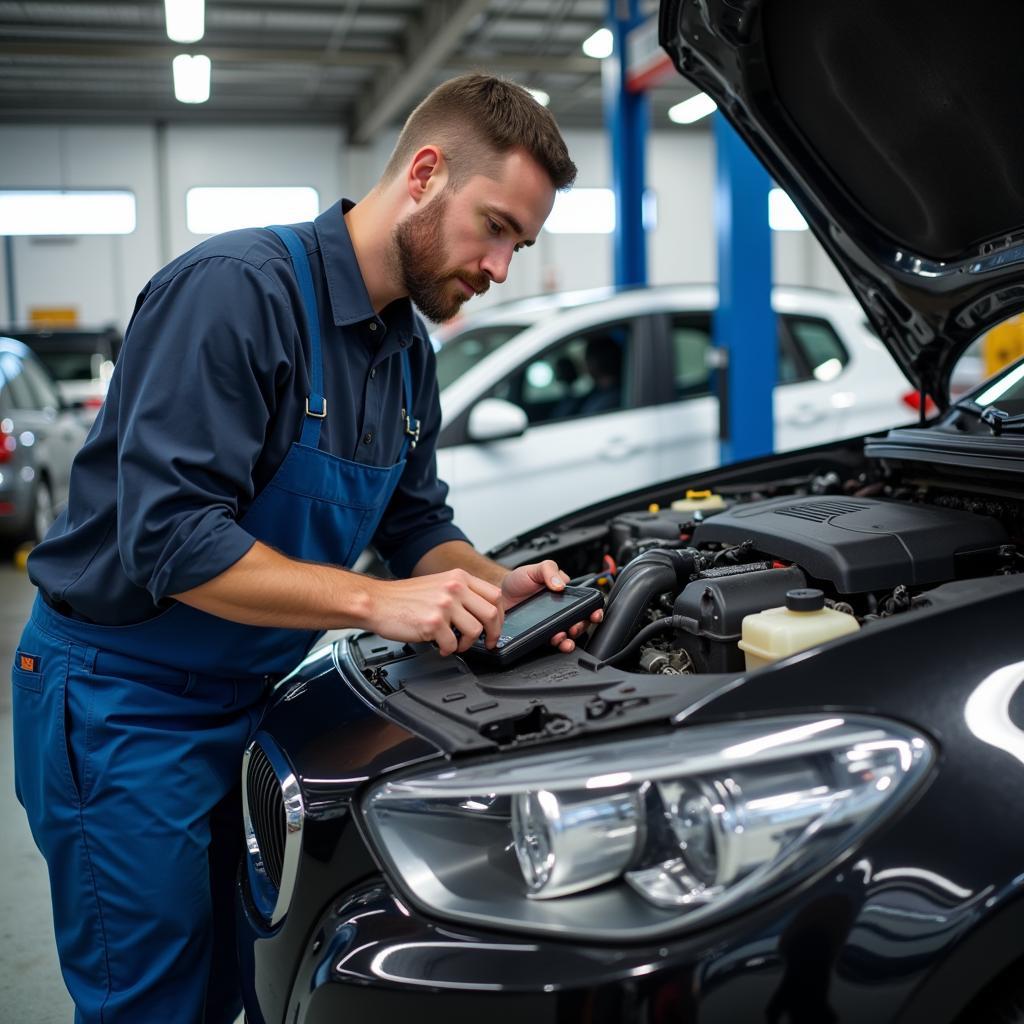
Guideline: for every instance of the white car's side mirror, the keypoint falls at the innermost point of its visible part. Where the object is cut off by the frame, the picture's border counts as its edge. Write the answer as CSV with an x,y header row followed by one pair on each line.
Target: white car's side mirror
x,y
493,419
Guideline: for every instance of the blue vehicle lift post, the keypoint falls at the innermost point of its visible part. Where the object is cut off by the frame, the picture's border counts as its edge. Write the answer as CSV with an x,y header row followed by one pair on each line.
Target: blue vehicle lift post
x,y
626,116
745,335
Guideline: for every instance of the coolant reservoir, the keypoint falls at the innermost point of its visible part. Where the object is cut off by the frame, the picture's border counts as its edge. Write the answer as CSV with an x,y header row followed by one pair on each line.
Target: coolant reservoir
x,y
803,622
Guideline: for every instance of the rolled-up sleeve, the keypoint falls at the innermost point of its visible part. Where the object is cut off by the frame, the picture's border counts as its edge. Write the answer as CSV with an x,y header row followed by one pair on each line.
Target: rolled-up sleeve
x,y
200,372
418,517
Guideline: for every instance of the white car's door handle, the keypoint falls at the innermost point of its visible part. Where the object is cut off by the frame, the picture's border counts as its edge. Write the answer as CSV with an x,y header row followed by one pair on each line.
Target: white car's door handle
x,y
617,448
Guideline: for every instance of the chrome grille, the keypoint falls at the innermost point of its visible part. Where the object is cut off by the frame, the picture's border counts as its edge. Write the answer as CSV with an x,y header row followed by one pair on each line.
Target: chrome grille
x,y
273,816
266,811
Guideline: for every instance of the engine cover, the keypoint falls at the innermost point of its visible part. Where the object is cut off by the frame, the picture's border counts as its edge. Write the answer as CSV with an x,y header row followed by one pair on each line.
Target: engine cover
x,y
862,544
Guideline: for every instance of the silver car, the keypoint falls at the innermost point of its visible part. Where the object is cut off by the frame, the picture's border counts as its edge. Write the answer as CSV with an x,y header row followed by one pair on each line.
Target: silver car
x,y
39,436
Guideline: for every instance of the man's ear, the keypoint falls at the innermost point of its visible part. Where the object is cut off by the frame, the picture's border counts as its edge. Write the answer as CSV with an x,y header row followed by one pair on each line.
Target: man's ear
x,y
428,173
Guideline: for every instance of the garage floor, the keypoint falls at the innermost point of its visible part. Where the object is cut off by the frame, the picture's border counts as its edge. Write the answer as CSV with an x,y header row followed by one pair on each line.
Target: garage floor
x,y
30,984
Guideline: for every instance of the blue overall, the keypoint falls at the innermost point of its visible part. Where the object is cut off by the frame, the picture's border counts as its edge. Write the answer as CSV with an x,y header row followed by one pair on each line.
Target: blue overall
x,y
128,743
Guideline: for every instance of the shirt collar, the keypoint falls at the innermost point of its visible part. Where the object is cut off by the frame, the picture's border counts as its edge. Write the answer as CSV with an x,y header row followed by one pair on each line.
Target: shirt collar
x,y
350,302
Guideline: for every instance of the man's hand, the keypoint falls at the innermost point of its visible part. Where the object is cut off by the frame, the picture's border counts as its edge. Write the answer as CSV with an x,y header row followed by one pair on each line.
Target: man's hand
x,y
432,608
527,580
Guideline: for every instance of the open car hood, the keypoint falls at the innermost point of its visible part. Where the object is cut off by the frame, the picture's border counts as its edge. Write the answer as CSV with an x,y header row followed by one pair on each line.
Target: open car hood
x,y
895,128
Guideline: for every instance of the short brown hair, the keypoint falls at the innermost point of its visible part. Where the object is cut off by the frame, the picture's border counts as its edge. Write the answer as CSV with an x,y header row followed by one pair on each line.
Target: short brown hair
x,y
476,117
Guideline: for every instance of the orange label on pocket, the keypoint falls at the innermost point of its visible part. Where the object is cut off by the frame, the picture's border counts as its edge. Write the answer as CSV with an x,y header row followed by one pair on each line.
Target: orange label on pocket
x,y
28,662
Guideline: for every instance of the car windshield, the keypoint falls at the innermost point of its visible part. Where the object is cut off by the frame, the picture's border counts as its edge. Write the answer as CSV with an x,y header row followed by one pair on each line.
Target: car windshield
x,y
463,351
1006,392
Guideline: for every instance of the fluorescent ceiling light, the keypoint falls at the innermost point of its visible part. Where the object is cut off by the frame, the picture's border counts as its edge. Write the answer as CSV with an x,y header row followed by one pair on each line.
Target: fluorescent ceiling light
x,y
191,78
782,214
540,96
692,109
583,211
66,212
600,44
209,210
185,20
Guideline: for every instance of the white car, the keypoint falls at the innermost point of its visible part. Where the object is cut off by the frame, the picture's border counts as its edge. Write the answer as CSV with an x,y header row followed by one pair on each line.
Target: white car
x,y
555,402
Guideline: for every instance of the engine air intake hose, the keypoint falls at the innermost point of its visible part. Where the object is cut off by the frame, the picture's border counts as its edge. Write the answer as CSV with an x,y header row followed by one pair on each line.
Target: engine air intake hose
x,y
639,583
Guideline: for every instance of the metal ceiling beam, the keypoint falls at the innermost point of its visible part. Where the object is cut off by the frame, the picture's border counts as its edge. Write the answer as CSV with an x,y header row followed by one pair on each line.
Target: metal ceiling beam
x,y
166,52
279,55
506,62
427,44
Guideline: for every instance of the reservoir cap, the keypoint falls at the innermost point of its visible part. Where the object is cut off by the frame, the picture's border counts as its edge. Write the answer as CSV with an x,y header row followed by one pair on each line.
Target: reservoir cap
x,y
805,600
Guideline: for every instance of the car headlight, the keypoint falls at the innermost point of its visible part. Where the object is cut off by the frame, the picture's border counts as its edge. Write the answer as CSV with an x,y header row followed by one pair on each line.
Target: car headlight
x,y
637,837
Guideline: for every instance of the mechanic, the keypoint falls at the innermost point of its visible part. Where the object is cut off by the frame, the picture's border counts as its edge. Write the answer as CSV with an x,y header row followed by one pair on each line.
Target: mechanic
x,y
273,411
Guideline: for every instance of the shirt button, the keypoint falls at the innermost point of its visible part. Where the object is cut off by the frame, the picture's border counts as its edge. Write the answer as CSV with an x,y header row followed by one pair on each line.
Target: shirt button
x,y
403,343
373,373
373,325
368,438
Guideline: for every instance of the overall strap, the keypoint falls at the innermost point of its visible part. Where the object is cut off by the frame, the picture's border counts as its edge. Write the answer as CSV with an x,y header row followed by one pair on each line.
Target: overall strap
x,y
316,404
410,425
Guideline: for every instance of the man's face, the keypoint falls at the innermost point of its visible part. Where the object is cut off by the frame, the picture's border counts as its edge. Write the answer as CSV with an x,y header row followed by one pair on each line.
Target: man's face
x,y
460,241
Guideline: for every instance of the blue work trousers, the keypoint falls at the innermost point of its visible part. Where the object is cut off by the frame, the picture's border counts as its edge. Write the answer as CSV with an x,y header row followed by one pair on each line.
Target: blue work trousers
x,y
130,773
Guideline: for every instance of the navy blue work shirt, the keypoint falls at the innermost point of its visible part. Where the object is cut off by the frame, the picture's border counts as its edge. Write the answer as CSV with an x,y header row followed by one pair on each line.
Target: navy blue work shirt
x,y
207,396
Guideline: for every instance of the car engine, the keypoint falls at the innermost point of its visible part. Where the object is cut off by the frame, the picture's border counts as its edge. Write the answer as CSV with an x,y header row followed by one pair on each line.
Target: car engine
x,y
681,579
870,542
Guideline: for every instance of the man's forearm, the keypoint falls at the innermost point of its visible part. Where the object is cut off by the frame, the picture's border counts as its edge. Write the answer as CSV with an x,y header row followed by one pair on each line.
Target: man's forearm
x,y
266,588
457,554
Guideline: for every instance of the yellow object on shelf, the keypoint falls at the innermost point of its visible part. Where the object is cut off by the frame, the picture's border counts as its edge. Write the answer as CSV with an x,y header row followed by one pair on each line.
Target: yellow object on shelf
x,y
653,507
804,622
699,500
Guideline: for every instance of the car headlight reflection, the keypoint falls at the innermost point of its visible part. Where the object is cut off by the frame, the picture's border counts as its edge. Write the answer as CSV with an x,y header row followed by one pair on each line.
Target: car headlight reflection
x,y
643,836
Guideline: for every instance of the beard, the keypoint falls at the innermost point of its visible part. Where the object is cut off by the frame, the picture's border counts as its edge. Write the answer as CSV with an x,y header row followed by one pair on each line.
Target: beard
x,y
419,257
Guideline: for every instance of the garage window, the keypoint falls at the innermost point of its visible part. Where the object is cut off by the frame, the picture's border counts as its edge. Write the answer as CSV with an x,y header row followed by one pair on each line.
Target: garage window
x,y
210,210
67,212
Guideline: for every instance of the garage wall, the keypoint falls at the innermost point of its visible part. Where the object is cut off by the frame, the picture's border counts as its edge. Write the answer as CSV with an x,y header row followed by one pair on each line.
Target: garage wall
x,y
98,274
101,275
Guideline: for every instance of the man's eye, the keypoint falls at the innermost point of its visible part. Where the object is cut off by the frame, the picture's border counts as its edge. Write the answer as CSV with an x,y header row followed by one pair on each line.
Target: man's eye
x,y
494,227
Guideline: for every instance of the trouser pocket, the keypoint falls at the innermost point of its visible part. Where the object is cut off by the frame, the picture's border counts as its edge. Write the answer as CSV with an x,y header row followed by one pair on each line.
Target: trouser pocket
x,y
44,777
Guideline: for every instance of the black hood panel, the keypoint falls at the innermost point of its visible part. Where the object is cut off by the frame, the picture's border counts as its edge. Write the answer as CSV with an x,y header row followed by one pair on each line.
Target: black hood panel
x,y
904,106
896,129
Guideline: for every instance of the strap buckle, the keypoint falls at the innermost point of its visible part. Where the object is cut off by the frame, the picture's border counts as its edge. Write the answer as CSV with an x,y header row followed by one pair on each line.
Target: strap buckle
x,y
317,415
412,429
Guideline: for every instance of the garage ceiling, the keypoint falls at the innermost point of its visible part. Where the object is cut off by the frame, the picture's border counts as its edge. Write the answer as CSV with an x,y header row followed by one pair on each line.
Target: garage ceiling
x,y
361,63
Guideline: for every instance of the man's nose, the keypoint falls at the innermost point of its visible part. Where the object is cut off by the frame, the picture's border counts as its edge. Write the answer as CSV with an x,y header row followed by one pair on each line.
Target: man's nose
x,y
495,265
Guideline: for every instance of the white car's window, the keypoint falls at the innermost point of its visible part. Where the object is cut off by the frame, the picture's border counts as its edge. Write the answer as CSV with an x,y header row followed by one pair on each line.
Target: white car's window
x,y
584,375
820,346
465,350
691,340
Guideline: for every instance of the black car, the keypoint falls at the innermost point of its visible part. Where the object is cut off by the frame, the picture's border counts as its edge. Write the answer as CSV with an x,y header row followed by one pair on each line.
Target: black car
x,y
80,360
653,829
